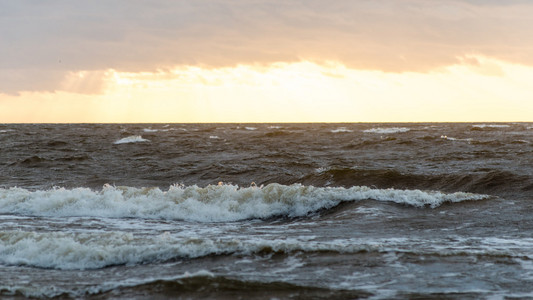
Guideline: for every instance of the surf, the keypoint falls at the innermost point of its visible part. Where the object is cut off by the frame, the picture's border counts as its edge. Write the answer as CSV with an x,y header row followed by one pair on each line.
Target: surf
x,y
213,203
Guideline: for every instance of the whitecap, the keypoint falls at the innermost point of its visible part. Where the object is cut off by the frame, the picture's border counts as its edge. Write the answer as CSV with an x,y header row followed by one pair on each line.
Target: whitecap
x,y
131,139
387,130
521,142
321,170
445,137
250,128
490,126
341,129
150,130
213,137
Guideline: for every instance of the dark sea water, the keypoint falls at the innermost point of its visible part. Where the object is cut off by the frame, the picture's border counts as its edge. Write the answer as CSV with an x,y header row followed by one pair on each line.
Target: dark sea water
x,y
266,211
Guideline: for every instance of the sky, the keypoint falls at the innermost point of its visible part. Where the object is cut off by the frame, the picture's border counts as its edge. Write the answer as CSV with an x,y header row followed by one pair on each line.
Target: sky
x,y
266,61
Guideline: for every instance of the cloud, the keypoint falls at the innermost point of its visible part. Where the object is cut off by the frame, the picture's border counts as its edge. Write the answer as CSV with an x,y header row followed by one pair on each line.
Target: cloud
x,y
43,43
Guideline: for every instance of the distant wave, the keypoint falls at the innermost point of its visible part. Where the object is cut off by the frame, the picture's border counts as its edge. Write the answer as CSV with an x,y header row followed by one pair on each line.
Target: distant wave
x,y
214,203
341,129
131,139
449,138
37,161
250,128
278,133
150,130
387,130
491,126
521,142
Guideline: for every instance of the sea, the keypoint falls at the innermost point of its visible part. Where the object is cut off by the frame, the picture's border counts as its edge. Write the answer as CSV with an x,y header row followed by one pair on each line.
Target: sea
x,y
266,211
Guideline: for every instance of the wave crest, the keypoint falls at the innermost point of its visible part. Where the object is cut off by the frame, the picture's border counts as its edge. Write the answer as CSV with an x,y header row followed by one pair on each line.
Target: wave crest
x,y
90,250
213,203
387,130
131,139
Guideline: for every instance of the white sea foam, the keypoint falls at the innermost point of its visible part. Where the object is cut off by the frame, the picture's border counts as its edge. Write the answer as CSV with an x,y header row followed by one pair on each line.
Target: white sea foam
x,y
445,137
387,130
341,129
490,126
322,170
6,130
150,130
206,204
250,128
214,137
92,250
131,139
70,251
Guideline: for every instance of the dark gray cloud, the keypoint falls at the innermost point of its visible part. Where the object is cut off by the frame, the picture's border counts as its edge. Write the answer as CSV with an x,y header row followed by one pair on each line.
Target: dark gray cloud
x,y
42,41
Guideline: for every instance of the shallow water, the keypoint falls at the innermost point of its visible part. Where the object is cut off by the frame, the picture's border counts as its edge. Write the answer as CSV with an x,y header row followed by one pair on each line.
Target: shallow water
x,y
260,211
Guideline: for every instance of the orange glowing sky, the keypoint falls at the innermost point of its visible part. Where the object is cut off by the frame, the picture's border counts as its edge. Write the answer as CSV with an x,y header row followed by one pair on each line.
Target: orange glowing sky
x,y
266,61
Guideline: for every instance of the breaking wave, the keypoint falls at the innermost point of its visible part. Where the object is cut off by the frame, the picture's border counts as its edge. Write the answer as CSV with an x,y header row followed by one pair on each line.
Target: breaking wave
x,y
214,203
341,130
449,138
489,126
131,139
72,251
387,130
90,250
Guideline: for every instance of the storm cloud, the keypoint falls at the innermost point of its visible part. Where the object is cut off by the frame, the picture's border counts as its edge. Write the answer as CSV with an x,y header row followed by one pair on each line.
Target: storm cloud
x,y
43,42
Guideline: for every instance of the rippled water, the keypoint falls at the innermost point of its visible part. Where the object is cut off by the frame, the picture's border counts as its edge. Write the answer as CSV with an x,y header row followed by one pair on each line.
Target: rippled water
x,y
266,211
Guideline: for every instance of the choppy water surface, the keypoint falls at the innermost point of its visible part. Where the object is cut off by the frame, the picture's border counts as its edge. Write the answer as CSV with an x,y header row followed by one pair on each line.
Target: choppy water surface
x,y
254,211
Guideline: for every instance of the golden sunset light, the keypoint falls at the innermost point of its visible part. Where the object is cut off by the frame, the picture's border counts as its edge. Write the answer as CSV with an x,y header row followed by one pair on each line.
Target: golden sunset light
x,y
231,61
489,90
